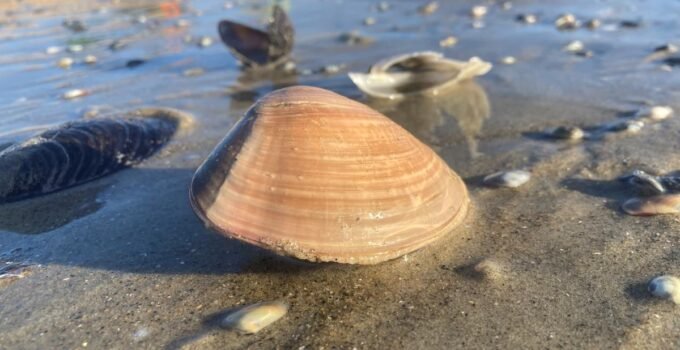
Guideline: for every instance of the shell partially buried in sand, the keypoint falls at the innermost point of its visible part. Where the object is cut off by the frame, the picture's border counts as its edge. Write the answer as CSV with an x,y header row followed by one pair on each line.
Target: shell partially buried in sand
x,y
417,73
314,175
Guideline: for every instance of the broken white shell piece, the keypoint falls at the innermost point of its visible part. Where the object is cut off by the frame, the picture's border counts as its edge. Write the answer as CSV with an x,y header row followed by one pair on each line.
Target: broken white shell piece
x,y
512,179
417,73
251,319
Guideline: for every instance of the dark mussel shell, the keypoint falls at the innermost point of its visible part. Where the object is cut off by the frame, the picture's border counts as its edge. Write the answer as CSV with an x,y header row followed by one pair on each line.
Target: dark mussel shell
x,y
255,47
81,151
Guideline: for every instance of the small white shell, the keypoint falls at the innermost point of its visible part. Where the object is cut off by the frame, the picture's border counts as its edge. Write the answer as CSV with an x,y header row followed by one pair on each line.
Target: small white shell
x,y
655,113
479,11
667,287
75,93
416,73
65,62
512,179
251,319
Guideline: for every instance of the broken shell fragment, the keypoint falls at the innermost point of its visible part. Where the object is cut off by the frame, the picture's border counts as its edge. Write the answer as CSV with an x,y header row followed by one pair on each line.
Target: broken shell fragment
x,y
656,205
655,113
252,319
566,133
417,73
666,287
314,175
512,179
254,47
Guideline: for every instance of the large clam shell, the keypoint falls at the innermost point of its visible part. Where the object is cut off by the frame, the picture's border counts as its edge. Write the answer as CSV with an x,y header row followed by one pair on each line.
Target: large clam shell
x,y
314,175
417,73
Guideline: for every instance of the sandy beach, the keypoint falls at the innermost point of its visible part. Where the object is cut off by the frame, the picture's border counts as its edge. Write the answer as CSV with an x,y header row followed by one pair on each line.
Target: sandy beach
x,y
124,263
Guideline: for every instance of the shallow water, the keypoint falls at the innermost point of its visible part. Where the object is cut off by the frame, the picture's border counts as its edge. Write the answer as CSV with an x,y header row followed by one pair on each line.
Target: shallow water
x,y
125,255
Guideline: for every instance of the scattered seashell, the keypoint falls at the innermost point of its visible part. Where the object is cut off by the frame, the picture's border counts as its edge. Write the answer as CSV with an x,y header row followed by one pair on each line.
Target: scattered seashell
x,y
666,287
331,69
479,11
53,50
655,113
74,25
254,47
416,73
645,182
567,21
593,24
90,59
354,38
205,41
667,48
574,46
75,48
80,151
65,62
448,41
512,178
508,60
75,93
527,18
657,205
193,72
666,68
344,184
252,319
369,21
429,8
566,133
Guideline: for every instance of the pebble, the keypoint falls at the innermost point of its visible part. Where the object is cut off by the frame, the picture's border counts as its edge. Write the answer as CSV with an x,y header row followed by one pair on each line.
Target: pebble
x,y
656,205
593,24
369,21
429,8
193,72
354,38
205,41
479,11
566,21
251,319
666,287
90,59
448,41
75,48
655,113
508,60
512,179
567,133
574,46
630,126
75,93
527,18
53,50
65,62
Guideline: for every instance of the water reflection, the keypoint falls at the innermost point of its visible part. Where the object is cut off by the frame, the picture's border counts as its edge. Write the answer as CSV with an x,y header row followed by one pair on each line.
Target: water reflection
x,y
455,116
255,83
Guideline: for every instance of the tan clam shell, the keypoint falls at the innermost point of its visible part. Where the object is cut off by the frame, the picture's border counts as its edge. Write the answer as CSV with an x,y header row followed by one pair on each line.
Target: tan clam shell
x,y
314,175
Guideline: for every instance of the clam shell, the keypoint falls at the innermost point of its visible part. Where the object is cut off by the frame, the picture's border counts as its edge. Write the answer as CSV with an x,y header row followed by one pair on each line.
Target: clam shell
x,y
255,47
416,73
81,151
656,205
314,175
253,318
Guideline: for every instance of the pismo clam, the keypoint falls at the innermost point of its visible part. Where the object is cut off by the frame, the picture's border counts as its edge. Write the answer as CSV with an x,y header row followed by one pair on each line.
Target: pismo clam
x,y
317,176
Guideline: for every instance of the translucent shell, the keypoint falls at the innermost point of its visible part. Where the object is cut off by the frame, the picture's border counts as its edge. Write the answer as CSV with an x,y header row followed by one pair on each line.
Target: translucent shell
x,y
317,176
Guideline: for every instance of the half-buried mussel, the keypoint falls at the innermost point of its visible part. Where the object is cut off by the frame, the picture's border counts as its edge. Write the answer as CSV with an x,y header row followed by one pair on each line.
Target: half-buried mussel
x,y
314,175
416,73
254,47
80,151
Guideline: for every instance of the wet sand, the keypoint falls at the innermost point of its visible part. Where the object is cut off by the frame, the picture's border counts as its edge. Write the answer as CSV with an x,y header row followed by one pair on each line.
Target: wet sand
x,y
123,262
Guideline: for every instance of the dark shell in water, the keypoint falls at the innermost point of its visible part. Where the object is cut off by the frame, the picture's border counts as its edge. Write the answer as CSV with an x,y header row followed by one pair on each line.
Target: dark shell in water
x,y
255,47
80,151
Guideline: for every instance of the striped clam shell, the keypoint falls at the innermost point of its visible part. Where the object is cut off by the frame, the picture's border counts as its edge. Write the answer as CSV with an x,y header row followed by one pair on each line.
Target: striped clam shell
x,y
317,176
80,151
